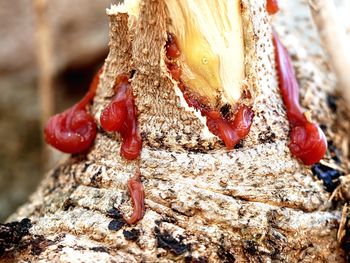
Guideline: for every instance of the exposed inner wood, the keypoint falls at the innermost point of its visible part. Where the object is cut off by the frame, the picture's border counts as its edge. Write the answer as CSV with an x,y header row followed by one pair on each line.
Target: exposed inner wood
x,y
210,37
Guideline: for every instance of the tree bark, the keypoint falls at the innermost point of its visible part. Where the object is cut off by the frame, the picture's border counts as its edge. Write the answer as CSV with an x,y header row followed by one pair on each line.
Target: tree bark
x,y
256,203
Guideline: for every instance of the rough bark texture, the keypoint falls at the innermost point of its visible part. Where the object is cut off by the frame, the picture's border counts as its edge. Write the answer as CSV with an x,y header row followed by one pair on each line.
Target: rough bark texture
x,y
204,204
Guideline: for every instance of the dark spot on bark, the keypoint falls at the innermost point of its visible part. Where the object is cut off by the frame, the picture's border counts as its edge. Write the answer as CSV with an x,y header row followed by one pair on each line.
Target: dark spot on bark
x,y
225,255
323,127
198,149
15,238
39,244
225,110
241,211
60,247
114,213
188,259
168,220
268,137
96,179
250,247
168,242
332,102
100,249
239,145
68,203
12,233
77,247
86,166
275,242
224,251
178,138
329,176
98,172
272,218
116,224
132,73
188,212
159,139
132,234
144,135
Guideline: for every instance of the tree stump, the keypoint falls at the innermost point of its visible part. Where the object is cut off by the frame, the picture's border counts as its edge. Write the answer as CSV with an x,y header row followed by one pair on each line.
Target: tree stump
x,y
204,203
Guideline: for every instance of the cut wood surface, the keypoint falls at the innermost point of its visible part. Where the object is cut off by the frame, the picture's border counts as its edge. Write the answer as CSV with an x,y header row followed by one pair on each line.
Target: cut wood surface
x,y
255,203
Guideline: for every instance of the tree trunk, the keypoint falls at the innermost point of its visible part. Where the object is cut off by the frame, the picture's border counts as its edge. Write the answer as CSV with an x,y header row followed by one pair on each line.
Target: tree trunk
x,y
255,203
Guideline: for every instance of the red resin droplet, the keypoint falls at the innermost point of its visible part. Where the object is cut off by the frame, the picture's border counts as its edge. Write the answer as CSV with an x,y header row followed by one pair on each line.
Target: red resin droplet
x,y
113,116
74,130
230,132
175,71
307,141
121,116
138,198
172,48
272,6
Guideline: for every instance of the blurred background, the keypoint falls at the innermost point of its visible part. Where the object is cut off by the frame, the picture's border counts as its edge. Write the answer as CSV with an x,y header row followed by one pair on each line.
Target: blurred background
x,y
78,32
